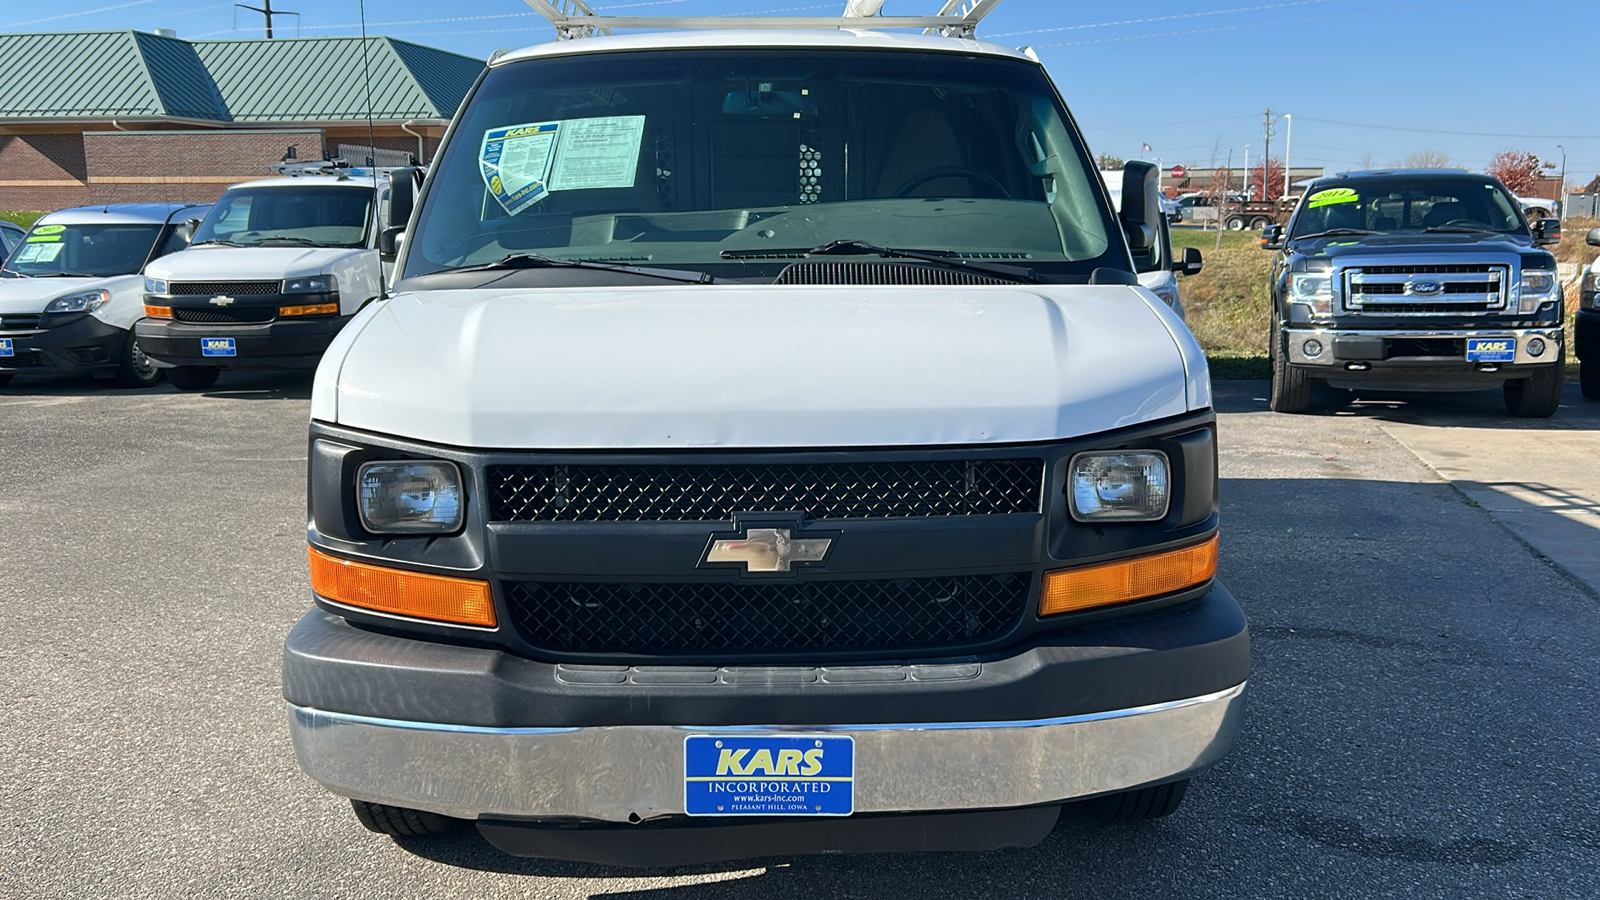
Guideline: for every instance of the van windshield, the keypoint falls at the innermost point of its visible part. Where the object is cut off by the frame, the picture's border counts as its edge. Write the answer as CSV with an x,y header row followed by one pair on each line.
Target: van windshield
x,y
699,160
97,250
309,215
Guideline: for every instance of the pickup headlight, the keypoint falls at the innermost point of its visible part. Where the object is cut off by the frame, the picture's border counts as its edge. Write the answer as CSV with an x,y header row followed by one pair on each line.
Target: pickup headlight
x,y
1538,286
1589,294
1119,487
155,285
1314,289
83,302
409,497
311,284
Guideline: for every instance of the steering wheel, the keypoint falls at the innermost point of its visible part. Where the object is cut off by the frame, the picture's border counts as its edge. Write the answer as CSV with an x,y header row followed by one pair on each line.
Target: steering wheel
x,y
923,178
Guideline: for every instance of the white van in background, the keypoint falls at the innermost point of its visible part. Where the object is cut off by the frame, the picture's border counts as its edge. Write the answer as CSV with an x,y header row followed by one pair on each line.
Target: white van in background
x,y
1158,273
275,271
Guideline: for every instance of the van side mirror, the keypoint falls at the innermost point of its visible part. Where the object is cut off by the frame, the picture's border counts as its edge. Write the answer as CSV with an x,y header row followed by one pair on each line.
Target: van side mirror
x,y
1546,232
1141,205
1593,238
185,231
389,241
1191,264
403,194
1272,237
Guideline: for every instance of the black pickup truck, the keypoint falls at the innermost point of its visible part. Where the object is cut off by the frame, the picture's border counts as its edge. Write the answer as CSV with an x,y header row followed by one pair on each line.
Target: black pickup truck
x,y
1421,280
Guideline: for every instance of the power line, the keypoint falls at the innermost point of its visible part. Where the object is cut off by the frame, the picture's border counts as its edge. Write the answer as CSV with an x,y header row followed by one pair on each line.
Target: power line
x,y
1307,19
1150,19
85,12
1493,134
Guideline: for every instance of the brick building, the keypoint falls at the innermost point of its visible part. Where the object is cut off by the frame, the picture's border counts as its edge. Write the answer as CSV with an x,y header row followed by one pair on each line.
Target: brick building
x,y
126,116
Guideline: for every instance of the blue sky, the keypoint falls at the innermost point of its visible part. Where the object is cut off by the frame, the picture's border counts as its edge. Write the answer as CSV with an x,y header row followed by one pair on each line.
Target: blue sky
x,y
1365,80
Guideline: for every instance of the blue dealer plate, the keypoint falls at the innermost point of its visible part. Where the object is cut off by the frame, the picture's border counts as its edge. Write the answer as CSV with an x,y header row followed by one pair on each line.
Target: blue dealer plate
x,y
6,348
218,347
769,775
1491,349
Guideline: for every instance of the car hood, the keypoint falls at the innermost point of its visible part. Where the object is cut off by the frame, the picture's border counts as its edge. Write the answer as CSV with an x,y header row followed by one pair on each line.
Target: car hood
x,y
736,366
32,295
1334,248
217,263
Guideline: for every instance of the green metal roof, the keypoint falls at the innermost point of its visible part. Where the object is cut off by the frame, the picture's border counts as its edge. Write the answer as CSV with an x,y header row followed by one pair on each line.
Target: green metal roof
x,y
130,74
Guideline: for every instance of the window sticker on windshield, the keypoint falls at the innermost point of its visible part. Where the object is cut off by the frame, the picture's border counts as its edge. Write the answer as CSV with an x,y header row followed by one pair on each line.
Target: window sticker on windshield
x,y
39,253
44,238
50,229
522,164
1332,197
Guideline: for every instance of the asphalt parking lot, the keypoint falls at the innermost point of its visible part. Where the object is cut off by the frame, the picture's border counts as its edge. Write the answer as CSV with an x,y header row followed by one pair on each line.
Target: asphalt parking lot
x,y
1420,578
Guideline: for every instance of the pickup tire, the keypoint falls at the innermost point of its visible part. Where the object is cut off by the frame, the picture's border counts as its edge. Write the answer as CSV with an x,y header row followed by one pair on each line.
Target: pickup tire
x,y
397,821
135,370
193,378
1140,805
1537,397
1291,387
1588,378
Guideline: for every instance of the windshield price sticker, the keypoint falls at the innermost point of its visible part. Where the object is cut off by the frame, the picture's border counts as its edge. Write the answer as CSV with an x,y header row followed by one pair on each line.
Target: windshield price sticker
x,y
769,775
39,253
524,164
1332,197
50,229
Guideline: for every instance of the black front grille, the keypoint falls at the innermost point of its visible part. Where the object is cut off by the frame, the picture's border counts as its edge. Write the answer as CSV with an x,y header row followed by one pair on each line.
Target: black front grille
x,y
879,273
19,322
1443,308
1453,287
24,359
884,616
242,316
713,493
229,288
1458,269
1406,347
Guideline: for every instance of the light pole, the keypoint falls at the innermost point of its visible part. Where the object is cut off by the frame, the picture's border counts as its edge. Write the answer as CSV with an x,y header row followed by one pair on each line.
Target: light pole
x,y
1562,199
1246,174
1288,145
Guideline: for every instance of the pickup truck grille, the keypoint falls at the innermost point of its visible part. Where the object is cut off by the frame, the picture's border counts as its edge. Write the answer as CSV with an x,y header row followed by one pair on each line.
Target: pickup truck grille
x,y
231,288
884,615
713,493
1426,290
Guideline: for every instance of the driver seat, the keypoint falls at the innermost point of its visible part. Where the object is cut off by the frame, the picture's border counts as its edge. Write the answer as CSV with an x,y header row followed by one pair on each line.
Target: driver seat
x,y
1443,213
925,140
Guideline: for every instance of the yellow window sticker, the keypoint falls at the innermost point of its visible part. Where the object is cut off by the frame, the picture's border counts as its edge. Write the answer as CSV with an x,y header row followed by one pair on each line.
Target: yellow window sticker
x,y
50,229
1332,197
523,164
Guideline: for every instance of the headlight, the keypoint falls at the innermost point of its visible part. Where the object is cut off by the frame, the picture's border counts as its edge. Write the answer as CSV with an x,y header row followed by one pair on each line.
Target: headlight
x,y
155,285
1589,295
87,301
312,284
409,497
1119,487
1315,289
1538,286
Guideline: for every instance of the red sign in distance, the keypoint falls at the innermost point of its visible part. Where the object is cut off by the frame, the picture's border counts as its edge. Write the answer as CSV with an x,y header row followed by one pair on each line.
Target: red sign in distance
x,y
1179,171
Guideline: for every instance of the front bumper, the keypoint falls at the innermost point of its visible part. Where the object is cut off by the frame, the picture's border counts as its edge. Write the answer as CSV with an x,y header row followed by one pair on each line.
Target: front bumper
x,y
79,346
481,734
280,344
1417,359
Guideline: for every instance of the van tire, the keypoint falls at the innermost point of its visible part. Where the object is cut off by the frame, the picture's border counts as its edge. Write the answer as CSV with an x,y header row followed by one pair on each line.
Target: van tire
x,y
1140,805
397,821
1538,397
193,378
135,370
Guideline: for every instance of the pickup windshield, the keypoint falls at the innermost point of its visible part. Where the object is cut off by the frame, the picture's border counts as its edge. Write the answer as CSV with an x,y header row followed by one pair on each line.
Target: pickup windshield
x,y
97,250
1395,204
699,160
310,216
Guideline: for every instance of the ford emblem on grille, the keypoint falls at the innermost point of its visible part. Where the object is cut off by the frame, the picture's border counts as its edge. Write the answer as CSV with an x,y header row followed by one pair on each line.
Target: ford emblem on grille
x,y
222,300
768,550
1424,288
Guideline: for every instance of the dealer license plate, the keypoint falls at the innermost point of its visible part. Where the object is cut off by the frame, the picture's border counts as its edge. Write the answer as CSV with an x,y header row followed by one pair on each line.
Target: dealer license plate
x,y
769,775
5,347
1491,349
218,347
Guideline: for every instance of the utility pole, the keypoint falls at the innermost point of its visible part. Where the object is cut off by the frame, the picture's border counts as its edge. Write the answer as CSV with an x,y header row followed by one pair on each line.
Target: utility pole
x,y
1266,160
1288,145
266,10
1562,199
1246,174
1222,199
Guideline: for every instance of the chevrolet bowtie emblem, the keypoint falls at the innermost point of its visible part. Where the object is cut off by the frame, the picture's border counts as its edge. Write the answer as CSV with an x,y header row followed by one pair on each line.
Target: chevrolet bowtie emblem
x,y
222,300
768,550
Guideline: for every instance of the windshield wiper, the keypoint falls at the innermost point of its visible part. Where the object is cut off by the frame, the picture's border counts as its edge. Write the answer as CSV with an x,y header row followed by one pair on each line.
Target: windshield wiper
x,y
15,272
297,241
536,261
862,248
1458,229
218,241
68,275
1335,232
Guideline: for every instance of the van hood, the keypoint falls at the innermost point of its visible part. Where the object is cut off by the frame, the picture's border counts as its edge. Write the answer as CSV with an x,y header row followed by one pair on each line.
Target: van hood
x,y
22,296
218,263
768,366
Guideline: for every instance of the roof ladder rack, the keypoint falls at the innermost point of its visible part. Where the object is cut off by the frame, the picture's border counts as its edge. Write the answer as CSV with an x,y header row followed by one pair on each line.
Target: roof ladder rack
x,y
574,19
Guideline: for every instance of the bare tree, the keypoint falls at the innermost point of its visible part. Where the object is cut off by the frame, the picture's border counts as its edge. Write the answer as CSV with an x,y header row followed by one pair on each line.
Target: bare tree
x,y
1428,159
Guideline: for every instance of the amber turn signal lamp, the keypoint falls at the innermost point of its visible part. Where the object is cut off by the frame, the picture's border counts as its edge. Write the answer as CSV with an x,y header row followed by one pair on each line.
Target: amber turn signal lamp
x,y
315,309
459,601
158,312
1070,590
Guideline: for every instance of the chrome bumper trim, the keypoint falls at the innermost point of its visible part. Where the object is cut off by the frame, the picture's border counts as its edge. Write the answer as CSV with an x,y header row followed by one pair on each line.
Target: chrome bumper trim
x,y
635,772
1297,337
